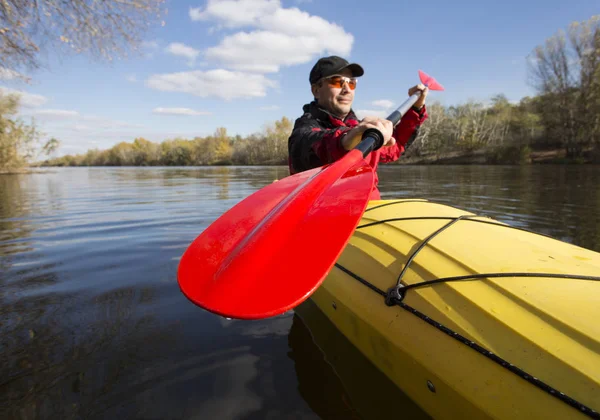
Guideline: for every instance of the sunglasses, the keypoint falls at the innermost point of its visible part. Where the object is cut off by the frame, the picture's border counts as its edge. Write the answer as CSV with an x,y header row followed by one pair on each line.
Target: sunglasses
x,y
338,82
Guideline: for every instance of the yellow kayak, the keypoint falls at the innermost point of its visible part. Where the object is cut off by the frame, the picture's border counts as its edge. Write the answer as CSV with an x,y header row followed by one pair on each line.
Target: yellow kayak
x,y
468,316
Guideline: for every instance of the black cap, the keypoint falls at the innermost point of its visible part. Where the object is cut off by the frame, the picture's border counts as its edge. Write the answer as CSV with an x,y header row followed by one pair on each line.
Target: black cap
x,y
328,66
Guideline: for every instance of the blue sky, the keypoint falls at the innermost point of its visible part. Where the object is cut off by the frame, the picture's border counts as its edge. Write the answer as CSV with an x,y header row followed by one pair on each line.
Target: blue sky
x,y
241,64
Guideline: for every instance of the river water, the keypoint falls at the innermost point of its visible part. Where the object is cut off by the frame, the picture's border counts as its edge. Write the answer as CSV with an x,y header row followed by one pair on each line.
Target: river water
x,y
93,324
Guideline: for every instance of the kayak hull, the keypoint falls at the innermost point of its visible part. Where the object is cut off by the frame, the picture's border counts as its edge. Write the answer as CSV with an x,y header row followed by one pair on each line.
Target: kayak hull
x,y
482,347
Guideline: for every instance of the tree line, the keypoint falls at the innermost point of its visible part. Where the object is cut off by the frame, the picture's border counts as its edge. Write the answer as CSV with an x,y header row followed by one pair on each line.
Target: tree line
x,y
563,115
268,147
506,132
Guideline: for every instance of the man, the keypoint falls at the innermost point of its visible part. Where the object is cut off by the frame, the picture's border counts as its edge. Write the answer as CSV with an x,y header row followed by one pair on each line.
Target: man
x,y
329,128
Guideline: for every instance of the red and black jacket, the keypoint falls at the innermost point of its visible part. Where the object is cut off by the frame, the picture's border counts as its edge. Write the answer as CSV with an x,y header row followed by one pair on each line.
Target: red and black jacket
x,y
316,139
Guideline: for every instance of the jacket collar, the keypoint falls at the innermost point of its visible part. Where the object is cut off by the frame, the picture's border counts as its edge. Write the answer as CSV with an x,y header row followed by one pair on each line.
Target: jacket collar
x,y
322,114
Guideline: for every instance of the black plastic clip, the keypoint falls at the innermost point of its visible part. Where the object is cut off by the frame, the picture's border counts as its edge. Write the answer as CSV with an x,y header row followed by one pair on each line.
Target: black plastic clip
x,y
394,295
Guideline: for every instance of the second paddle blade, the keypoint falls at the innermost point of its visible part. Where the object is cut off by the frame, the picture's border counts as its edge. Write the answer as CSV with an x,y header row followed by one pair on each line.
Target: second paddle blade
x,y
270,252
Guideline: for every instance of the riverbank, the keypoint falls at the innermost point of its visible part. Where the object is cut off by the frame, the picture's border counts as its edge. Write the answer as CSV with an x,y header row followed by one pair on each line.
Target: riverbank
x,y
476,157
17,171
26,171
508,157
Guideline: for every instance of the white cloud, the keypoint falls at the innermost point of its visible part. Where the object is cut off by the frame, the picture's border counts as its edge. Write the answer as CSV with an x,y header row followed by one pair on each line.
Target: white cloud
x,y
151,45
196,13
234,13
284,36
80,139
262,51
383,103
56,113
79,133
131,78
182,50
219,83
55,122
53,119
81,127
149,48
384,110
107,123
8,74
361,113
29,100
298,23
179,111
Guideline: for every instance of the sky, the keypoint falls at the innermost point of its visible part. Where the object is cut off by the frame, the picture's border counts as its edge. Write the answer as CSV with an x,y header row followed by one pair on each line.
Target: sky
x,y
243,64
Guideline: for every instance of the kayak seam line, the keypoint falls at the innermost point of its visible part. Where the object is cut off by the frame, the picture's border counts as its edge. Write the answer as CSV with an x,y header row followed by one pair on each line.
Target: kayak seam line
x,y
497,275
356,277
482,350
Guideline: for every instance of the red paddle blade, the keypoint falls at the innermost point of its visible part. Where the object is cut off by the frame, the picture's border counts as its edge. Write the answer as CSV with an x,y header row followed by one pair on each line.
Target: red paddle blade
x,y
271,251
429,81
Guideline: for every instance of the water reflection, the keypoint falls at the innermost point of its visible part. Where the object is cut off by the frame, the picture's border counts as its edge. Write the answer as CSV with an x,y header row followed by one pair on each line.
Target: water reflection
x,y
62,353
14,204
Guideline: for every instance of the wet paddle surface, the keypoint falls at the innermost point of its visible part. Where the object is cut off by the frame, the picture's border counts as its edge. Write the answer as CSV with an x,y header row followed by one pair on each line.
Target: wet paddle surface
x,y
93,324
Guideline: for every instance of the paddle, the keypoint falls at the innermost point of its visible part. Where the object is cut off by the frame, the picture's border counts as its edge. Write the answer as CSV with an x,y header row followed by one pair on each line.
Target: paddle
x,y
269,253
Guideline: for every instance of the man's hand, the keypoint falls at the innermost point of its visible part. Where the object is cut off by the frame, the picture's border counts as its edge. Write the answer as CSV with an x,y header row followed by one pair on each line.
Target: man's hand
x,y
354,136
421,101
381,124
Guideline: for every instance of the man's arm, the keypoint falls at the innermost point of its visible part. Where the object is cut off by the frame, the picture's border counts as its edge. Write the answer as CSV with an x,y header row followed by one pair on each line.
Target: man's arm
x,y
405,134
311,146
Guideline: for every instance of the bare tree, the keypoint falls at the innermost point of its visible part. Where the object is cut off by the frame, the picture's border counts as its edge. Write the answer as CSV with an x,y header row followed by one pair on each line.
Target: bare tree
x,y
585,39
432,133
105,29
566,73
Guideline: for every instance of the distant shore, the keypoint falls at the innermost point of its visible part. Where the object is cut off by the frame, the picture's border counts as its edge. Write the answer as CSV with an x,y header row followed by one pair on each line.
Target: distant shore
x,y
482,157
477,157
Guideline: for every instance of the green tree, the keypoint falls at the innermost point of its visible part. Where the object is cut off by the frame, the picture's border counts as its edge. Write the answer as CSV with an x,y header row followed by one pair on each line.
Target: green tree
x,y
122,154
177,152
221,147
19,142
145,152
275,141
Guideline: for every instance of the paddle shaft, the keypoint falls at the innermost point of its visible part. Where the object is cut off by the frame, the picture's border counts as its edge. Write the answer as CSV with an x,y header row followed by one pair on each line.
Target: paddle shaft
x,y
372,138
397,115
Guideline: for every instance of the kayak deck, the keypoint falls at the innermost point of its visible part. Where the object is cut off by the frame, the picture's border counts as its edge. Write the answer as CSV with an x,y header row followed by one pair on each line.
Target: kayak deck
x,y
518,330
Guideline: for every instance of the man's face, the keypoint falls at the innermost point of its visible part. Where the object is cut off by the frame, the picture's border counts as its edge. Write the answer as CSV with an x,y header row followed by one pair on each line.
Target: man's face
x,y
335,99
